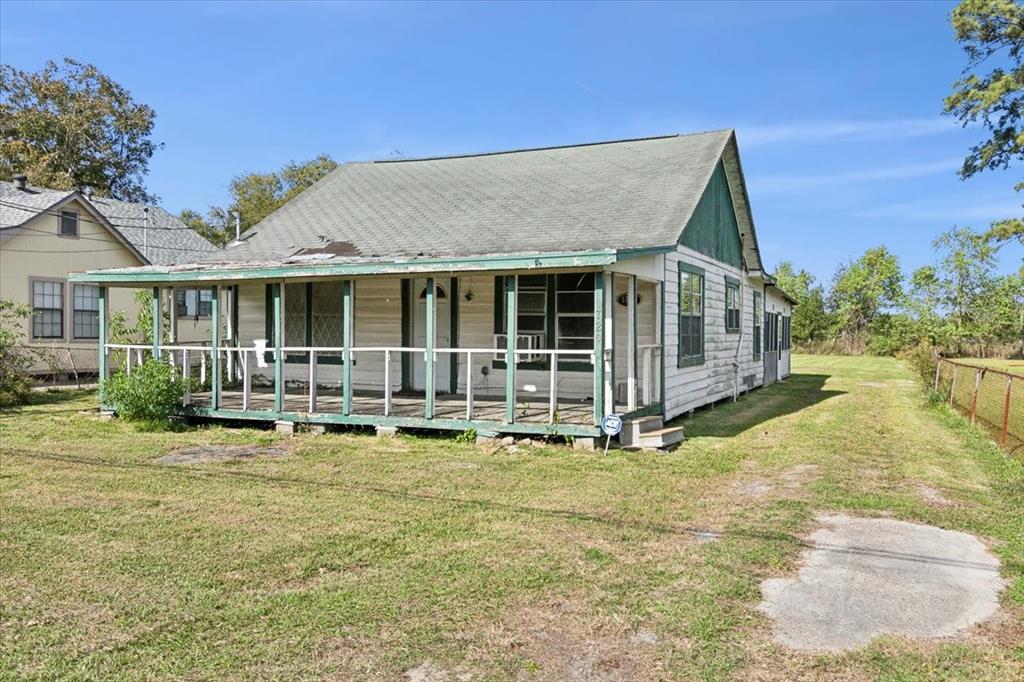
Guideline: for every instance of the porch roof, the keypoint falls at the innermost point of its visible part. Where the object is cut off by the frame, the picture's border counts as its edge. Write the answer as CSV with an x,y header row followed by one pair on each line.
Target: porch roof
x,y
309,266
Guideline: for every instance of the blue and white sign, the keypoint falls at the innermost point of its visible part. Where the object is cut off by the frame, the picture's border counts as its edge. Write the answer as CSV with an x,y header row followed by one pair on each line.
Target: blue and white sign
x,y
611,424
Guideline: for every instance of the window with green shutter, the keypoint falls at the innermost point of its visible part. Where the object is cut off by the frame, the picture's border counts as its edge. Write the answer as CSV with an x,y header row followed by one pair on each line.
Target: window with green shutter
x,y
758,313
732,305
691,315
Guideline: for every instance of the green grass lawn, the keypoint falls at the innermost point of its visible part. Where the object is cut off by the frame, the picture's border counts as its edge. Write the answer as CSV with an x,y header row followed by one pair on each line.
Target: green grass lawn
x,y
1004,364
357,558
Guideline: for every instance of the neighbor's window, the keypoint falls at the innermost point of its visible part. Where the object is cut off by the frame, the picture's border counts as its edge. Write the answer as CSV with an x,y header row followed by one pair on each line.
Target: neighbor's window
x,y
68,224
47,309
691,315
194,303
85,320
758,312
732,305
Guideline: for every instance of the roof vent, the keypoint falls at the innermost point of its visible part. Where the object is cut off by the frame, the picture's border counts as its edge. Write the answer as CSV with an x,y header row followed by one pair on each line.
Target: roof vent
x,y
21,182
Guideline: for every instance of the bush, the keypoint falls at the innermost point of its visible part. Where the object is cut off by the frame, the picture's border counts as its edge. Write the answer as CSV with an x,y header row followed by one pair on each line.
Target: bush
x,y
149,394
15,358
923,359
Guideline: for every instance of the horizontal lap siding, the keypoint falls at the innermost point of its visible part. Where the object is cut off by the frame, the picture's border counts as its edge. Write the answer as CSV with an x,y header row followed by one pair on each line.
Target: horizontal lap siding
x,y
687,388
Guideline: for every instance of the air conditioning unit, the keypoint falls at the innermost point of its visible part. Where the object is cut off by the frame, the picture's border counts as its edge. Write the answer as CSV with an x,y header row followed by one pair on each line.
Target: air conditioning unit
x,y
528,342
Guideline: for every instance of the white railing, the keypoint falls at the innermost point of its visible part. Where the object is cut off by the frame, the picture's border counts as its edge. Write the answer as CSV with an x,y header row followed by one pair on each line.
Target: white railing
x,y
649,379
241,361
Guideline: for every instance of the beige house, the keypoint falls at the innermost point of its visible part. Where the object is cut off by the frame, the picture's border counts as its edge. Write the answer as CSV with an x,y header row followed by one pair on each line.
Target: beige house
x,y
47,234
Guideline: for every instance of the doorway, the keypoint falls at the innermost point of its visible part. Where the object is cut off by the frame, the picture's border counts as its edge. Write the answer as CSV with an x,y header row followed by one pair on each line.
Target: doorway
x,y
442,337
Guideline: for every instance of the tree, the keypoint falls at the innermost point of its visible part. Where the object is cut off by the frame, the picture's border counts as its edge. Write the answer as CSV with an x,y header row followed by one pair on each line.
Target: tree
x,y
254,196
991,33
810,320
863,289
69,126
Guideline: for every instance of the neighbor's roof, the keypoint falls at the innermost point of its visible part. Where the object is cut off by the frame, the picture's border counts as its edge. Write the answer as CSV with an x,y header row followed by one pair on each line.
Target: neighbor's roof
x,y
622,195
169,241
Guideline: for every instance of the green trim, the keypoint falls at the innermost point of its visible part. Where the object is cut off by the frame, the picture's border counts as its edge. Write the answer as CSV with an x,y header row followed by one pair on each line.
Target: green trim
x,y
690,360
278,343
406,334
428,343
599,347
734,284
664,355
347,296
215,342
453,334
234,312
481,426
151,274
615,345
102,340
646,411
510,346
157,314
268,319
626,254
756,339
712,228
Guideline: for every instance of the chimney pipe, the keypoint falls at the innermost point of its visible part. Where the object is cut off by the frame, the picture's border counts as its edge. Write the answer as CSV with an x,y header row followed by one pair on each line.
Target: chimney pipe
x,y
238,226
21,181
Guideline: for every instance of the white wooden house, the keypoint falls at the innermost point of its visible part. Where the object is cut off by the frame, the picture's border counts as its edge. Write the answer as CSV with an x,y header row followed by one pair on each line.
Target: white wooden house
x,y
618,277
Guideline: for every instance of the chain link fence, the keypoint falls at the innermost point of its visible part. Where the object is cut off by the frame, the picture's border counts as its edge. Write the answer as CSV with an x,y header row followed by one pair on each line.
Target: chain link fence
x,y
991,397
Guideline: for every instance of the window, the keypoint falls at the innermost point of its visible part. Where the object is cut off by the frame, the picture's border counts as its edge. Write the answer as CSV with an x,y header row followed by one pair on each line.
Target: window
x,y
558,308
194,303
732,305
771,332
85,321
68,224
312,319
47,309
574,311
758,312
691,315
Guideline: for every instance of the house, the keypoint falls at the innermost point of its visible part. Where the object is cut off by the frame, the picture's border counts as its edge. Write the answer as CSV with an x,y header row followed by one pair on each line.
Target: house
x,y
45,234
529,291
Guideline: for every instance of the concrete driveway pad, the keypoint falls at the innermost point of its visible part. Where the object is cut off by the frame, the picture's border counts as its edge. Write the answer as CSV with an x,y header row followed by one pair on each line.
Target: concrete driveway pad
x,y
862,578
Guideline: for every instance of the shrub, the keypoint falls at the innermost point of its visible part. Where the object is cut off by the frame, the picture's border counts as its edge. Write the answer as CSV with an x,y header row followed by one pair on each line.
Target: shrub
x,y
923,359
149,394
15,359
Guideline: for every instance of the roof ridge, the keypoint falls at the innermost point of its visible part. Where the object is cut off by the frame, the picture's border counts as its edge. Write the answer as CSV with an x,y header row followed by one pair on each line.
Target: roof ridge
x,y
546,148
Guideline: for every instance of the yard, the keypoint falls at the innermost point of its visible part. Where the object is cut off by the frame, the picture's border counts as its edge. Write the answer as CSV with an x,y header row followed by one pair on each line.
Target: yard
x,y
353,557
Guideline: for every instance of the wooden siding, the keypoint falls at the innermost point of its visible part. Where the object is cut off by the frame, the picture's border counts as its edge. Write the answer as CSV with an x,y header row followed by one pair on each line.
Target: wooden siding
x,y
687,388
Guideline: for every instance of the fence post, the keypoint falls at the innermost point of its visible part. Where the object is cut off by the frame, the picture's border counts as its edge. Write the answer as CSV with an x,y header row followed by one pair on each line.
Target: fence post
x,y
952,385
938,368
978,374
1006,411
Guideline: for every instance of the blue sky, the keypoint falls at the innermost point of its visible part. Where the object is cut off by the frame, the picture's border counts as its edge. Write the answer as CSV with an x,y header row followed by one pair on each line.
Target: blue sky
x,y
836,105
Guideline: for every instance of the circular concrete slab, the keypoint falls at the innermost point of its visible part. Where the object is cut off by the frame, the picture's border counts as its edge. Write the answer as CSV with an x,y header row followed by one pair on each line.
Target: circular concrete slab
x,y
866,577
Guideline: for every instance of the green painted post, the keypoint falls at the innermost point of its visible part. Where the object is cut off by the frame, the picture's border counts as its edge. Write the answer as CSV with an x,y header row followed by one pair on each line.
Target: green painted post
x,y
102,339
215,344
661,368
157,320
598,347
511,330
278,343
613,321
453,335
347,292
428,371
634,304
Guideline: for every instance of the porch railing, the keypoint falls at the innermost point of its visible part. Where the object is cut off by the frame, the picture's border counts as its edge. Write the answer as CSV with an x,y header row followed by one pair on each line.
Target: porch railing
x,y
196,361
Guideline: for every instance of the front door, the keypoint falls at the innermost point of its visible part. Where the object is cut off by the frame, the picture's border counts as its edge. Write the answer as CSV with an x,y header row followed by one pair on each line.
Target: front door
x,y
442,338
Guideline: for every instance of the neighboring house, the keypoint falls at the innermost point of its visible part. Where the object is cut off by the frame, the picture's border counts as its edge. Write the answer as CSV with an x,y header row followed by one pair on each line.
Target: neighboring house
x,y
46,234
620,277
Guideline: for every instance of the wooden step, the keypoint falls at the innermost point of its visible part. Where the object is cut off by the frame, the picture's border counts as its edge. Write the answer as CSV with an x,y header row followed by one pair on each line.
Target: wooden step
x,y
634,429
647,424
662,438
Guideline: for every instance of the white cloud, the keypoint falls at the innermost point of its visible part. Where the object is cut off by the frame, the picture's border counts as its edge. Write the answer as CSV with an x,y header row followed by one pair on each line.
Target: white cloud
x,y
939,209
795,182
834,131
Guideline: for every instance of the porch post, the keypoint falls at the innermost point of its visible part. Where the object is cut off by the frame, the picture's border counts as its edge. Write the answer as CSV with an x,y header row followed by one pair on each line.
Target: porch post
x,y
599,338
173,312
347,292
102,341
610,331
278,343
511,311
215,344
157,314
428,371
631,364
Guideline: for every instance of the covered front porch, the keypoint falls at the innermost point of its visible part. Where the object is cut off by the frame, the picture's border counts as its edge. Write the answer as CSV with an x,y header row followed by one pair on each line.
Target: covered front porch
x,y
416,350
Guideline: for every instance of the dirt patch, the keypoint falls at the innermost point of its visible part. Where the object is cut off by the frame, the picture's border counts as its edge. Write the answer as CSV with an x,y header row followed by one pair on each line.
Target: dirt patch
x,y
428,671
935,498
755,488
799,475
862,578
558,643
205,454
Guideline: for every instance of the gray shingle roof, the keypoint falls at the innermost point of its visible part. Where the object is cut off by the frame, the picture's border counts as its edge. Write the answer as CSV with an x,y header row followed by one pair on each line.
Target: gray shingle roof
x,y
614,195
169,241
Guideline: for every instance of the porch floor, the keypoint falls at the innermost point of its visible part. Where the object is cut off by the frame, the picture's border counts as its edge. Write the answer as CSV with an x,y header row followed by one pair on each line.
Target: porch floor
x,y
404,404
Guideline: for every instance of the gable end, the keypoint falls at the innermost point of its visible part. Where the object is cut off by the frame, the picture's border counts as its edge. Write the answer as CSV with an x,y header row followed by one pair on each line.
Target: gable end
x,y
712,229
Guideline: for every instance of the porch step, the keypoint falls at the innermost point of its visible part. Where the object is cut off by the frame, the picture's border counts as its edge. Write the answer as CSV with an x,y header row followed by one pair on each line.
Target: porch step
x,y
649,433
662,438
